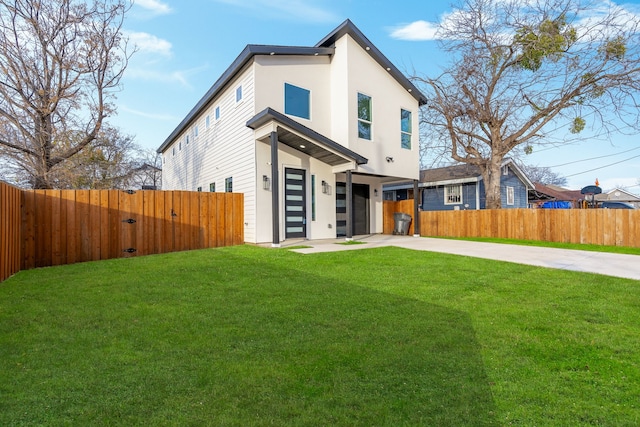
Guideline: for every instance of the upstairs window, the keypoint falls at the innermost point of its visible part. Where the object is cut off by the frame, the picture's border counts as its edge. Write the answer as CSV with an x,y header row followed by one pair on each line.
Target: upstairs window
x,y
195,131
405,129
239,94
297,101
453,194
217,113
207,122
364,116
228,185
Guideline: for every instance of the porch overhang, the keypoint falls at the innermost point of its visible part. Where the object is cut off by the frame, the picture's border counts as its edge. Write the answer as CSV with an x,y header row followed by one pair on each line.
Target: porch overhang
x,y
303,139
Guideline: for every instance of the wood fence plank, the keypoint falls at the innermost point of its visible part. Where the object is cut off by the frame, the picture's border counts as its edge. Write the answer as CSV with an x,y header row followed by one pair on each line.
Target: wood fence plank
x,y
203,220
95,219
213,220
56,228
194,221
71,226
82,216
127,232
105,238
28,230
238,219
160,222
169,231
115,245
137,214
148,221
220,219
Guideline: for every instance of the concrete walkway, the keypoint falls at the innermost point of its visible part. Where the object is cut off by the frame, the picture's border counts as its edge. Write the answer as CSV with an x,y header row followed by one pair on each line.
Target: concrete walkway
x,y
618,265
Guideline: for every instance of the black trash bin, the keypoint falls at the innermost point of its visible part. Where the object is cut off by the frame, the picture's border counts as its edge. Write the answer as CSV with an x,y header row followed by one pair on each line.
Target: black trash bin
x,y
402,221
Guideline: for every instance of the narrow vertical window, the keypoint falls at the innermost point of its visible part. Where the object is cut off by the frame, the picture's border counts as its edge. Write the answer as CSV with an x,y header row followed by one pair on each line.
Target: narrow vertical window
x,y
364,116
212,187
313,197
217,113
207,122
405,129
195,131
297,101
239,94
228,185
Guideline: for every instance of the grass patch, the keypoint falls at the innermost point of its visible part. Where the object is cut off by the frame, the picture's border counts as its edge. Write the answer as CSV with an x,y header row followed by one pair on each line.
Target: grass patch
x,y
351,242
582,247
248,336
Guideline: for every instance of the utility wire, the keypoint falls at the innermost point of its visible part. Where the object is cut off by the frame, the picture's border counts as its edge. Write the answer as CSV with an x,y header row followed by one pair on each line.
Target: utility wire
x,y
596,158
602,167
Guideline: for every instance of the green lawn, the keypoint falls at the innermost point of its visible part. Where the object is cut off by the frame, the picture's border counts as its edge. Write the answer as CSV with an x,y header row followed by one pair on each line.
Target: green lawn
x,y
248,336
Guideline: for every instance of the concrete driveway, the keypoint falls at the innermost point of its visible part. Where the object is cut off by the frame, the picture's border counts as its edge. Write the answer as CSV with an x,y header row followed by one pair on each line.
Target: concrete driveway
x,y
618,265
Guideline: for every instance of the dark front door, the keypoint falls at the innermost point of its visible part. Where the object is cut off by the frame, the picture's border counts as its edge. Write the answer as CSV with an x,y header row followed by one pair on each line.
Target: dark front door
x,y
295,203
360,216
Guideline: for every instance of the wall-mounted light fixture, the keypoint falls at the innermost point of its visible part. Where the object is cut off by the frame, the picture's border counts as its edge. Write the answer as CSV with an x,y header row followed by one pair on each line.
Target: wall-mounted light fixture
x,y
266,183
375,192
389,159
326,187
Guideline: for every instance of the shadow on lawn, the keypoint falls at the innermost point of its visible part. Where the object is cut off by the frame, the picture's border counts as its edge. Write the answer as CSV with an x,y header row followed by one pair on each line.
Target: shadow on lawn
x,y
343,354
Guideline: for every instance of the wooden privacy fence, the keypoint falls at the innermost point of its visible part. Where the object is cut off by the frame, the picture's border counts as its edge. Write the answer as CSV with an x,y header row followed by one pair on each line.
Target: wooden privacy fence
x,y
55,227
10,224
614,227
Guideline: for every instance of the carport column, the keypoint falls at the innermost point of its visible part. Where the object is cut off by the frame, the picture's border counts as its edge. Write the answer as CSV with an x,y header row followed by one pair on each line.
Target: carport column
x,y
275,192
349,206
416,210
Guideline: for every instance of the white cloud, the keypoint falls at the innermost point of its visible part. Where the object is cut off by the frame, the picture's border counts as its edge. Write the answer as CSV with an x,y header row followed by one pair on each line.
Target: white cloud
x,y
153,116
148,43
293,9
415,31
179,77
154,6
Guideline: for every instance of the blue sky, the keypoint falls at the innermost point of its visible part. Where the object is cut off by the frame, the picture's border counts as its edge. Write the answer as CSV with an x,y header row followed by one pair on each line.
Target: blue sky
x,y
184,46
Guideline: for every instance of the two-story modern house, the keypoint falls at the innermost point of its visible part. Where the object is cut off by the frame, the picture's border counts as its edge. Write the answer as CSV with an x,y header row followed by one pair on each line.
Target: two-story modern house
x,y
308,134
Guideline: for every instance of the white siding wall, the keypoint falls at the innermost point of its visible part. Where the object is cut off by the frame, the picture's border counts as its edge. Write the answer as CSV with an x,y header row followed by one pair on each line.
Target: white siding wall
x,y
225,149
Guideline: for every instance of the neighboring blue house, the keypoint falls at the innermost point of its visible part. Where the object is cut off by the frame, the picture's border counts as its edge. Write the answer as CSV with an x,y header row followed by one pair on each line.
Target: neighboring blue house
x,y
461,187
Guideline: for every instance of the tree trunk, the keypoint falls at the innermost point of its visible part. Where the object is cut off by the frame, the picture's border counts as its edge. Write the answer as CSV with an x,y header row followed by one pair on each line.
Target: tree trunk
x,y
491,176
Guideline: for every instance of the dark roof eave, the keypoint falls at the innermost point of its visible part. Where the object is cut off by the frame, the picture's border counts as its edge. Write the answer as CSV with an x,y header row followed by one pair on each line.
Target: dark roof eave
x,y
348,27
243,59
269,114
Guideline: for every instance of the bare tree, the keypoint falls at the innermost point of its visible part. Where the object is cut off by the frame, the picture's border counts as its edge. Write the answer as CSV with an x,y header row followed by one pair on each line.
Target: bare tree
x,y
147,174
60,63
543,175
521,69
108,162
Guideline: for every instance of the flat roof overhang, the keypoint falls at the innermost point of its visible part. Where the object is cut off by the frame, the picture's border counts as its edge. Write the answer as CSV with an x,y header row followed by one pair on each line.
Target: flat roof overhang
x,y
304,139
